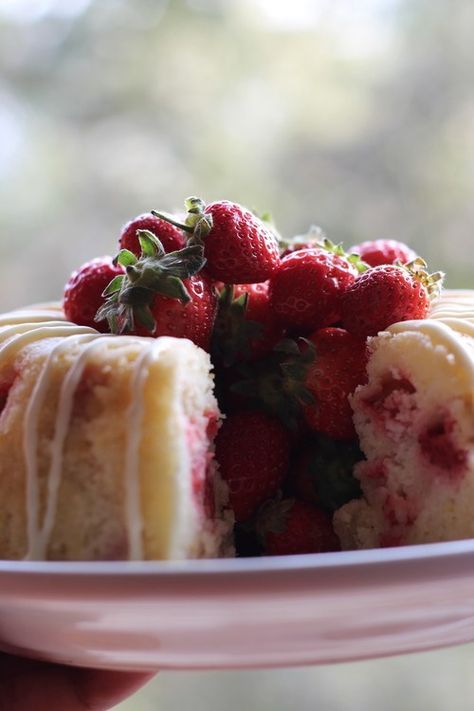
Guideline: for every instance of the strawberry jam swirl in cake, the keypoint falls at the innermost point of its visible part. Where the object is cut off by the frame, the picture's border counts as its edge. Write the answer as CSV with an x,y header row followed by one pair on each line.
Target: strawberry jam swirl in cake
x,y
415,422
95,458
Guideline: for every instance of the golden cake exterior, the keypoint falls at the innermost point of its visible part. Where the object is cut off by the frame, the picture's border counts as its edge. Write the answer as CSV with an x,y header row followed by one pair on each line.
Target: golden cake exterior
x,y
105,445
415,422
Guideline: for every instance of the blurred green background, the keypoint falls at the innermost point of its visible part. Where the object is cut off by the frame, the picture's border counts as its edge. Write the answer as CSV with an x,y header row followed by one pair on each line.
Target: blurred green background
x,y
358,116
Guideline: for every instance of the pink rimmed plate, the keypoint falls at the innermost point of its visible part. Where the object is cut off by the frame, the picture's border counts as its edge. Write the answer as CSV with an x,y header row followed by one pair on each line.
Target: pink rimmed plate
x,y
308,609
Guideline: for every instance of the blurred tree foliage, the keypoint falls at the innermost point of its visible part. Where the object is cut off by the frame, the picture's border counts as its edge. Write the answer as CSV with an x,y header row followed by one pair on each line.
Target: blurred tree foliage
x,y
122,106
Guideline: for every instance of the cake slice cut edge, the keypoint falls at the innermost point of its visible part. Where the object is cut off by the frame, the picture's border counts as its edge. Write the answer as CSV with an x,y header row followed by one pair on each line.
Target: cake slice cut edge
x,y
415,422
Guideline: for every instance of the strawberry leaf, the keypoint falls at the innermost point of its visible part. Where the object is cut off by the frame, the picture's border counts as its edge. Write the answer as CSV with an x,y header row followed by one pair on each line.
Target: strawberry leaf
x,y
114,286
130,296
125,258
233,333
145,317
277,383
150,244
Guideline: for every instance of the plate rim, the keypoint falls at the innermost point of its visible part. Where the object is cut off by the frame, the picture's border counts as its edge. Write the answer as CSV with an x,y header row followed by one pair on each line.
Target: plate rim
x,y
308,562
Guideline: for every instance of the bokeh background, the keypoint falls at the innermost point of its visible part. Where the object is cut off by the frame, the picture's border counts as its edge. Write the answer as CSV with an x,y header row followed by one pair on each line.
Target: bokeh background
x,y
357,116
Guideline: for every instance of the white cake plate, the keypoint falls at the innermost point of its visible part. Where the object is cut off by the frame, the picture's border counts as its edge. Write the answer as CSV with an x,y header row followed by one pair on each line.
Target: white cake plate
x,y
246,613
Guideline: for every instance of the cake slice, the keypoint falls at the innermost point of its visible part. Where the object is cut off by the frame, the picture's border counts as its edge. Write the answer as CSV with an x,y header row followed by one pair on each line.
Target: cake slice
x,y
415,422
106,445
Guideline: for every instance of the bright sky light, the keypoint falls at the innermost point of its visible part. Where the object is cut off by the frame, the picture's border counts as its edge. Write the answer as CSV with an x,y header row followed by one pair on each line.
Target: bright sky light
x,y
30,10
360,27
357,27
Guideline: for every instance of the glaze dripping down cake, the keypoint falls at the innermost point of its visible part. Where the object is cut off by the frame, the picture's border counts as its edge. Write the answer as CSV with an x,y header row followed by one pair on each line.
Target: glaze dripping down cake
x,y
415,422
106,445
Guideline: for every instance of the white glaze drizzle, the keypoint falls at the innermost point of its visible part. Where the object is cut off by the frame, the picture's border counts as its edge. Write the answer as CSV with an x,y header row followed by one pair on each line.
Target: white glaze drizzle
x,y
451,325
132,456
135,415
38,536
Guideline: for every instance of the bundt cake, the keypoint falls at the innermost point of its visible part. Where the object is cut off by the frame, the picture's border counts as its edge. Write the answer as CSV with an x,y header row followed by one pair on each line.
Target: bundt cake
x,y
415,422
106,445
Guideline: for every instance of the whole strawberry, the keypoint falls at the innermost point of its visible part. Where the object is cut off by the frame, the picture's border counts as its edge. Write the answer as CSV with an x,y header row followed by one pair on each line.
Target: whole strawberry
x,y
238,246
387,294
322,473
290,526
307,288
161,294
252,450
337,369
170,236
83,292
193,319
384,251
245,327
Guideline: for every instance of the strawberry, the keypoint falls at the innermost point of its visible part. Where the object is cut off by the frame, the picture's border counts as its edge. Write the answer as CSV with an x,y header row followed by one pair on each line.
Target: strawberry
x,y
337,369
308,382
290,526
193,319
307,288
161,294
322,473
238,246
246,327
170,236
274,383
387,294
83,292
252,450
384,251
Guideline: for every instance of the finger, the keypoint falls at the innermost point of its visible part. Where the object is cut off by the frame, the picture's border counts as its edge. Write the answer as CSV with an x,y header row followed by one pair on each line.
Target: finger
x,y
100,690
26,685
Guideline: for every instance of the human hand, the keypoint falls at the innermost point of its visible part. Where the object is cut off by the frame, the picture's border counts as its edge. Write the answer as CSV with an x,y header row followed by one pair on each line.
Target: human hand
x,y
27,685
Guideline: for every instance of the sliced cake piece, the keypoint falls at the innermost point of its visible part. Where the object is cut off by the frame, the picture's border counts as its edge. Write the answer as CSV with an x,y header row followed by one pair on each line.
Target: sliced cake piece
x,y
106,445
415,421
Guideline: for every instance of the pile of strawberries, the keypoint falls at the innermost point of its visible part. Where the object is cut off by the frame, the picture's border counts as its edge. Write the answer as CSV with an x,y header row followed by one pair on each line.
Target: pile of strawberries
x,y
286,325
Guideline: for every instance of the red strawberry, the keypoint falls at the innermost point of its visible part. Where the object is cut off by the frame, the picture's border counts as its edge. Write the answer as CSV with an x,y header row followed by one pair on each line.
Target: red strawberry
x,y
337,369
260,311
384,251
246,327
83,292
193,319
387,294
238,246
252,450
291,526
307,288
162,294
170,236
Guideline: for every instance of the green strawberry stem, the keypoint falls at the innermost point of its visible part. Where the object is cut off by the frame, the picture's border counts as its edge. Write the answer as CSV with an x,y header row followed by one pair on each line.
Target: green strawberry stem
x,y
129,296
418,269
233,333
277,384
198,223
173,221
